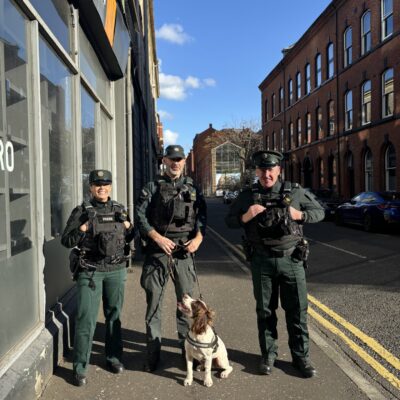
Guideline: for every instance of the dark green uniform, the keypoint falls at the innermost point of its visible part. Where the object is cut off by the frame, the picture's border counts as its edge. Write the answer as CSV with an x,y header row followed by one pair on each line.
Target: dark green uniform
x,y
107,282
274,268
177,210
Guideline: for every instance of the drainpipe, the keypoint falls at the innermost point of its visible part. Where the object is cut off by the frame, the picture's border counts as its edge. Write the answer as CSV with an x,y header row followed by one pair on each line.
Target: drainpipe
x,y
129,132
338,176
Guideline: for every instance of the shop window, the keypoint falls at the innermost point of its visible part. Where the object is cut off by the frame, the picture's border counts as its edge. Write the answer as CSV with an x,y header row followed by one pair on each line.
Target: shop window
x,y
387,18
307,74
318,70
348,110
56,14
298,86
330,61
387,93
390,168
331,118
348,46
57,137
366,103
366,32
368,171
19,283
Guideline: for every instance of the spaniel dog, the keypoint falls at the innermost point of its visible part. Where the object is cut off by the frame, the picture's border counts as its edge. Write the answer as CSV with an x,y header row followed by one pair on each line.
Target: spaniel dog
x,y
202,343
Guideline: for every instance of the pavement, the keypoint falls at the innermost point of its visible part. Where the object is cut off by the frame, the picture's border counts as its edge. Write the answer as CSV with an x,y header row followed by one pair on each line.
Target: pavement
x,y
226,286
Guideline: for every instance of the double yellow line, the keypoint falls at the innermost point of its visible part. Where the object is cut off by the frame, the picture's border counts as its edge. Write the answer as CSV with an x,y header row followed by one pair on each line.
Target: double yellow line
x,y
370,342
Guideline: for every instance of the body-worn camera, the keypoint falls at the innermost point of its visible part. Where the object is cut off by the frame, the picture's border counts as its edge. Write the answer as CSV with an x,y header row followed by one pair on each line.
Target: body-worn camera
x,y
302,251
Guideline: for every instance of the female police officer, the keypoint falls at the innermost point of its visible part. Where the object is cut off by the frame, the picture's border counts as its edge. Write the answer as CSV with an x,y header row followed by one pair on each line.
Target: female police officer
x,y
272,214
100,228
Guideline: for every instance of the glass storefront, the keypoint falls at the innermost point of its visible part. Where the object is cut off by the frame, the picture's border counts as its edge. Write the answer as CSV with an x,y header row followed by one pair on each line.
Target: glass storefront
x,y
18,267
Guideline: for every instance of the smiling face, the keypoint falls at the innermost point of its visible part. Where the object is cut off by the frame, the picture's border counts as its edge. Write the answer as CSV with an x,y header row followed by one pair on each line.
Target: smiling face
x,y
268,176
100,191
174,166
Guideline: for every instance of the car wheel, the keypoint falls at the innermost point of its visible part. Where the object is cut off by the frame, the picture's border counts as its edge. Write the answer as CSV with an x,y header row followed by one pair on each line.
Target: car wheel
x,y
368,224
339,219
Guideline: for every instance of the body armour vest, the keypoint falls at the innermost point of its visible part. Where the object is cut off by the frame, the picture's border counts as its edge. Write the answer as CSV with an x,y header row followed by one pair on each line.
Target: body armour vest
x,y
105,240
172,207
275,226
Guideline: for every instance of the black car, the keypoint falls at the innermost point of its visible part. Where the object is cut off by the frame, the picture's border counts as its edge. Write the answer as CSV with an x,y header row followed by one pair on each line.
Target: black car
x,y
371,210
328,200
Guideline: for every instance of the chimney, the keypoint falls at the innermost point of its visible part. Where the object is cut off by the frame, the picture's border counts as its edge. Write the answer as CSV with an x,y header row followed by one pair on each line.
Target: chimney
x,y
210,126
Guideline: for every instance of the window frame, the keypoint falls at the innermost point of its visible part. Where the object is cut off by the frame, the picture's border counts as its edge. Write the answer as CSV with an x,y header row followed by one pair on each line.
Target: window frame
x,y
387,96
384,20
298,132
307,79
390,147
348,112
366,37
368,171
347,47
298,85
290,92
366,106
330,61
318,70
331,118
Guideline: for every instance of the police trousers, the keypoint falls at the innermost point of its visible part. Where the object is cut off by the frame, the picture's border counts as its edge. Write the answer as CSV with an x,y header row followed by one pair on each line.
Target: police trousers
x,y
109,286
282,276
155,276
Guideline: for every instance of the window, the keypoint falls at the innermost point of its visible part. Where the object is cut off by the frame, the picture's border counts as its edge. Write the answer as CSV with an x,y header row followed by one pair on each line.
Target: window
x,y
298,132
227,165
273,105
318,70
298,86
267,144
291,136
308,128
266,110
366,103
331,118
330,61
273,141
368,170
307,70
348,46
387,18
320,130
290,91
390,168
281,102
282,139
321,173
366,32
387,93
348,110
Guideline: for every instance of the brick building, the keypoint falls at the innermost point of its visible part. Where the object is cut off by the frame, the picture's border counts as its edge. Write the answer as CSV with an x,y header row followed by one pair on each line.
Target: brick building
x,y
333,102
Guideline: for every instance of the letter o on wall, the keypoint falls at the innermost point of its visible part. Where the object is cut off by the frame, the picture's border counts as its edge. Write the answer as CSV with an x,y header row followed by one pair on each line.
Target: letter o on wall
x,y
9,156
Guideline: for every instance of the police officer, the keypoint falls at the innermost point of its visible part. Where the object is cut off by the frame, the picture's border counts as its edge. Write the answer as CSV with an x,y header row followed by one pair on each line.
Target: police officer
x,y
272,213
171,215
101,229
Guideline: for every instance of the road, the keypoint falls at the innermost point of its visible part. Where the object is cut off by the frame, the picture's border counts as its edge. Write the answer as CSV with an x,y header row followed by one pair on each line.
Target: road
x,y
354,285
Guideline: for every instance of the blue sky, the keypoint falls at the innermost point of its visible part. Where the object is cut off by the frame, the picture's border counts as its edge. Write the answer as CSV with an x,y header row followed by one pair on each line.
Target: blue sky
x,y
213,55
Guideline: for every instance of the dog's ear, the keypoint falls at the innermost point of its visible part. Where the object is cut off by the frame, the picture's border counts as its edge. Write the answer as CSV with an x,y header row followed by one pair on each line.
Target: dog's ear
x,y
200,317
210,313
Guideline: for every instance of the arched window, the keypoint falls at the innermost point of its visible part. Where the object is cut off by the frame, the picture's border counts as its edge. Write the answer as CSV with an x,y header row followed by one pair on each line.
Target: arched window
x,y
281,102
348,46
298,132
298,86
320,130
348,110
368,170
366,102
291,136
387,93
308,128
307,74
330,61
331,118
390,168
366,32
290,92
318,70
387,18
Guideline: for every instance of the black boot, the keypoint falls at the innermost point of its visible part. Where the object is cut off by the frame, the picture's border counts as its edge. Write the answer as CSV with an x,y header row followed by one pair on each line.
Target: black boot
x,y
79,380
266,364
305,367
116,367
152,362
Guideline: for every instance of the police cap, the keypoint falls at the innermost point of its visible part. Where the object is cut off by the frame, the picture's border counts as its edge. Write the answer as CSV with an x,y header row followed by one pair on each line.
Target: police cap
x,y
100,176
174,151
266,159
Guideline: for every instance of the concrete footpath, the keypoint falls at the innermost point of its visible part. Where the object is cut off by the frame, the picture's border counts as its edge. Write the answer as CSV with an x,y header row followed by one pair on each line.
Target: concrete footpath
x,y
226,286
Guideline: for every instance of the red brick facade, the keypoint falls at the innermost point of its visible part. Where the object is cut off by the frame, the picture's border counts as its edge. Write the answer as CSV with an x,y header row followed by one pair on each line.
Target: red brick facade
x,y
335,155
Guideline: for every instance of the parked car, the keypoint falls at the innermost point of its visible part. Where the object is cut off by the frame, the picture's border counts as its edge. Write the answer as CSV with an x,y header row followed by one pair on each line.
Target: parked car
x,y
219,193
229,197
327,199
371,210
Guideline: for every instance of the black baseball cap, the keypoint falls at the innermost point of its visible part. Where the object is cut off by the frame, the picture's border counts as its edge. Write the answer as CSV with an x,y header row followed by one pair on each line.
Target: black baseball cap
x,y
267,158
100,176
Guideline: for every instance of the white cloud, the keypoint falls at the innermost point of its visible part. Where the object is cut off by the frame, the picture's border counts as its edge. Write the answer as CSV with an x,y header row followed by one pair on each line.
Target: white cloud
x,y
173,33
174,87
170,137
165,114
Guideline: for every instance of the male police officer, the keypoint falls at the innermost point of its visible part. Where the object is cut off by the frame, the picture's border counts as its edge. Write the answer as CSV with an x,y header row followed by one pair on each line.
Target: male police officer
x,y
272,214
171,215
100,228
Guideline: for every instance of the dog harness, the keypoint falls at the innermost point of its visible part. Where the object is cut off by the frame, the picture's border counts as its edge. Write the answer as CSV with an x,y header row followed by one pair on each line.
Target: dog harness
x,y
212,345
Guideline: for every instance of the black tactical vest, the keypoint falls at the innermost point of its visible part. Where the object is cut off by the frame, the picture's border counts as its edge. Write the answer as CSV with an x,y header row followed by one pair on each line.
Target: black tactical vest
x,y
172,207
105,239
275,226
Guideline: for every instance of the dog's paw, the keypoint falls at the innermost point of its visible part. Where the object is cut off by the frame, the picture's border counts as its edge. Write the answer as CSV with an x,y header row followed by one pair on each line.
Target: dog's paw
x,y
225,373
208,382
187,382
